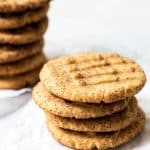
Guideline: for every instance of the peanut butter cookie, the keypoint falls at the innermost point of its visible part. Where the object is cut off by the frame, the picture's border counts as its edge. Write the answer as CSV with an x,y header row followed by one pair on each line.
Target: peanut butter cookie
x,y
93,77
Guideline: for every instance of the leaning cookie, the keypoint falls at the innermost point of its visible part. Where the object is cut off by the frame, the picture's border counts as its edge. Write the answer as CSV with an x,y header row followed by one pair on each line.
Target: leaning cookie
x,y
10,6
93,140
93,77
11,53
22,66
58,106
110,123
24,35
17,20
20,81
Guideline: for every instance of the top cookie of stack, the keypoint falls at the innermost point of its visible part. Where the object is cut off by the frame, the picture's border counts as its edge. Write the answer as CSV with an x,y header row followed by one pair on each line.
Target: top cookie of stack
x,y
93,77
89,99
22,27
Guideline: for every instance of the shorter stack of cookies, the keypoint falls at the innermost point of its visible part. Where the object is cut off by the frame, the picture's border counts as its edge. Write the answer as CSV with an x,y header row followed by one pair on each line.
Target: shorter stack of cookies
x,y
89,100
22,27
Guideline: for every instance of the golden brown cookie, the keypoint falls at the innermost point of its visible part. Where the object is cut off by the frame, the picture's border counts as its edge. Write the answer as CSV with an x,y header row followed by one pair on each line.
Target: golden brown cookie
x,y
10,53
58,106
110,123
20,81
24,35
9,6
89,141
22,66
17,20
93,77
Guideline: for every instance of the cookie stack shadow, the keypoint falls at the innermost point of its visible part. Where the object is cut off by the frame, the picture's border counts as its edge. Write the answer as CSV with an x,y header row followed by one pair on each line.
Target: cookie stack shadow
x,y
22,27
89,101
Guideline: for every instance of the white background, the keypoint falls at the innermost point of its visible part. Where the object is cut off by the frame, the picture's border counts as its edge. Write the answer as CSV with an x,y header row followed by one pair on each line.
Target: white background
x,y
86,25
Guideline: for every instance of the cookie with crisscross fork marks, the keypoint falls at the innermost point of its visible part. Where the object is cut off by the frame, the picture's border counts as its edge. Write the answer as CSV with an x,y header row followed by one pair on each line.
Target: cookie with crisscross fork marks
x,y
93,77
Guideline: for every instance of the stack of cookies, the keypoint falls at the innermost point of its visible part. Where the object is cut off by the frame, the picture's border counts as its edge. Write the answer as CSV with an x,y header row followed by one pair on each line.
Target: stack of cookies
x,y
89,100
22,26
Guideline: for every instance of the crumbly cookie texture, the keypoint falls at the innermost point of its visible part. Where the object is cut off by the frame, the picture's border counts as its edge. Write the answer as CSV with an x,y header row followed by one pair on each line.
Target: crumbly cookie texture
x,y
9,6
9,53
22,66
93,77
25,35
20,81
101,141
17,20
110,123
58,106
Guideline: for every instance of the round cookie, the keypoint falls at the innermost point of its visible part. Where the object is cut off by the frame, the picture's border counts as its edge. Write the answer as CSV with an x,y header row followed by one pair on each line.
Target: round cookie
x,y
58,106
17,20
20,81
9,6
110,123
89,141
24,35
93,77
22,66
9,53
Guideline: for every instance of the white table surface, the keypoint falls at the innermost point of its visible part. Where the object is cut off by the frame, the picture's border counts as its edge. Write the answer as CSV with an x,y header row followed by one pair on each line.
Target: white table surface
x,y
79,26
